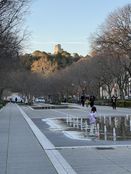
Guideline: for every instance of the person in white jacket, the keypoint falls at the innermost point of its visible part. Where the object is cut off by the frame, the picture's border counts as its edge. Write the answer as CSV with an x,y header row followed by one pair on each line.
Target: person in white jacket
x,y
92,120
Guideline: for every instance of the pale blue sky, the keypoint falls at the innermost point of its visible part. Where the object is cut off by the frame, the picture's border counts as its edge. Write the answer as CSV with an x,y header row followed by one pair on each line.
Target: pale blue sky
x,y
67,22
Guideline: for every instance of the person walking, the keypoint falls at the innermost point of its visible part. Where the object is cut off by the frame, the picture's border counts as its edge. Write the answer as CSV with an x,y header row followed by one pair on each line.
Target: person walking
x,y
113,100
92,99
87,101
83,100
16,100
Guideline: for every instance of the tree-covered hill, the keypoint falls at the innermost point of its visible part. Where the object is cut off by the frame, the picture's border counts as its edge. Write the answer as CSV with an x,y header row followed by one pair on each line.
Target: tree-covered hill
x,y
47,63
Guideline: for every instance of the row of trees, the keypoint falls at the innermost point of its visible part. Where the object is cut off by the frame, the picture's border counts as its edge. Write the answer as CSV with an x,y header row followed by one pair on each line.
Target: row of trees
x,y
112,48
110,64
72,80
12,34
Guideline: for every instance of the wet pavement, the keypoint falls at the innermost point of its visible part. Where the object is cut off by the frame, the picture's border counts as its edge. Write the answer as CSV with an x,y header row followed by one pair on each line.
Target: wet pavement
x,y
29,146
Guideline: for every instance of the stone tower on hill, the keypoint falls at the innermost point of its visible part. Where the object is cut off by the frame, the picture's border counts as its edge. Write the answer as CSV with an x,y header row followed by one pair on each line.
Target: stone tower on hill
x,y
57,49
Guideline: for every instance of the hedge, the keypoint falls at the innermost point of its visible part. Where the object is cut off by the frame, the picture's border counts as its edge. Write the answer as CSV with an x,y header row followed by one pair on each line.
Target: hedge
x,y
123,103
2,103
119,103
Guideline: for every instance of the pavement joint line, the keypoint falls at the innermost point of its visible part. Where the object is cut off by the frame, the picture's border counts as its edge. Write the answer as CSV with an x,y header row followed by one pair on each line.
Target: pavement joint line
x,y
93,147
58,161
30,108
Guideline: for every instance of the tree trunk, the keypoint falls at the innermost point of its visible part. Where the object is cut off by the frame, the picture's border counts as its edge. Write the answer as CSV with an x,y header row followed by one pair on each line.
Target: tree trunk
x,y
109,90
1,92
121,93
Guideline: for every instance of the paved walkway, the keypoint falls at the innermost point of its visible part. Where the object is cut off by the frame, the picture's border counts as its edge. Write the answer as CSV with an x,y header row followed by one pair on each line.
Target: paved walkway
x,y
20,152
24,149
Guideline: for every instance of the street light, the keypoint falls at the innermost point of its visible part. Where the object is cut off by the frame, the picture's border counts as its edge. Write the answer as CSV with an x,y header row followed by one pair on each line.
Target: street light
x,y
84,87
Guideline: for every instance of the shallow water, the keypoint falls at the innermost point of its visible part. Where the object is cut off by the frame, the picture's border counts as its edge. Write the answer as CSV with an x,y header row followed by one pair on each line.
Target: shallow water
x,y
114,128
120,124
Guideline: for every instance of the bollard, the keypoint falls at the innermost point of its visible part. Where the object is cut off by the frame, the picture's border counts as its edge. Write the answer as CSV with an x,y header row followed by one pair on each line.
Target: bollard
x,y
86,127
100,119
67,119
104,120
114,134
125,120
105,132
73,119
81,124
70,121
98,130
110,121
115,122
77,123
127,117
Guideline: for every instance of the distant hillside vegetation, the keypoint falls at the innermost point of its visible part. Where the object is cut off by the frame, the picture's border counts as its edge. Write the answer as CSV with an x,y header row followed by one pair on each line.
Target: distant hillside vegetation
x,y
47,63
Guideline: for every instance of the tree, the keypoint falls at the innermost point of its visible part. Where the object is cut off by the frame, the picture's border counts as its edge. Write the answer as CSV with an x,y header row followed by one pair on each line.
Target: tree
x,y
11,17
114,40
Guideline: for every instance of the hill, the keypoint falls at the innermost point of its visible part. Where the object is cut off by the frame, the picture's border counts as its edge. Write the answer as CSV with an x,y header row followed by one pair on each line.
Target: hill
x,y
46,63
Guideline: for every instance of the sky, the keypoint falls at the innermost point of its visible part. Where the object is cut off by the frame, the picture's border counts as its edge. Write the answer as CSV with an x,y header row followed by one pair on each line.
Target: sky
x,y
67,22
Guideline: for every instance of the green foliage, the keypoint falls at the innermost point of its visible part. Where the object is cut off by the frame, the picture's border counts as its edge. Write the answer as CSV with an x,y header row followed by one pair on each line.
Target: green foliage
x,y
2,103
63,59
119,103
104,102
124,103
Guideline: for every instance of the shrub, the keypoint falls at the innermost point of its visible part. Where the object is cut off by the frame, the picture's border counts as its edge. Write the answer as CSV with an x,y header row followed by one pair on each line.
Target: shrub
x,y
2,103
119,103
124,103
104,102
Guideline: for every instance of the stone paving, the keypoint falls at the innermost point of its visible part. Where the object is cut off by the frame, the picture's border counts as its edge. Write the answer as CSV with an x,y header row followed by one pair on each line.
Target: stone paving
x,y
21,152
95,161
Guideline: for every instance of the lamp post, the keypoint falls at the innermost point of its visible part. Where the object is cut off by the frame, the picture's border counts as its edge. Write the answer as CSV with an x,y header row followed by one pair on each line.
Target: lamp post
x,y
73,92
84,87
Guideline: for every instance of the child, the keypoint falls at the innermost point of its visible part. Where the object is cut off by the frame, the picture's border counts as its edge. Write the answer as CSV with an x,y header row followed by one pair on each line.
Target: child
x,y
87,102
92,120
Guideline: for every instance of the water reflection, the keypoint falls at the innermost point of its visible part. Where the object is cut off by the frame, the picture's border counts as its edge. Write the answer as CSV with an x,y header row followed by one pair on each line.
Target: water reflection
x,y
114,128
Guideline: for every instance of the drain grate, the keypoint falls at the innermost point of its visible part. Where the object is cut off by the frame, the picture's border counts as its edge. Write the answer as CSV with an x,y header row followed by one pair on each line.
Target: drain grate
x,y
104,148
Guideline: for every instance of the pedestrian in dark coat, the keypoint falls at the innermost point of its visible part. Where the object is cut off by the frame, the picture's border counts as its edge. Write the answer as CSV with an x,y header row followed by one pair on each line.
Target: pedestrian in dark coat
x,y
83,100
92,99
113,100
